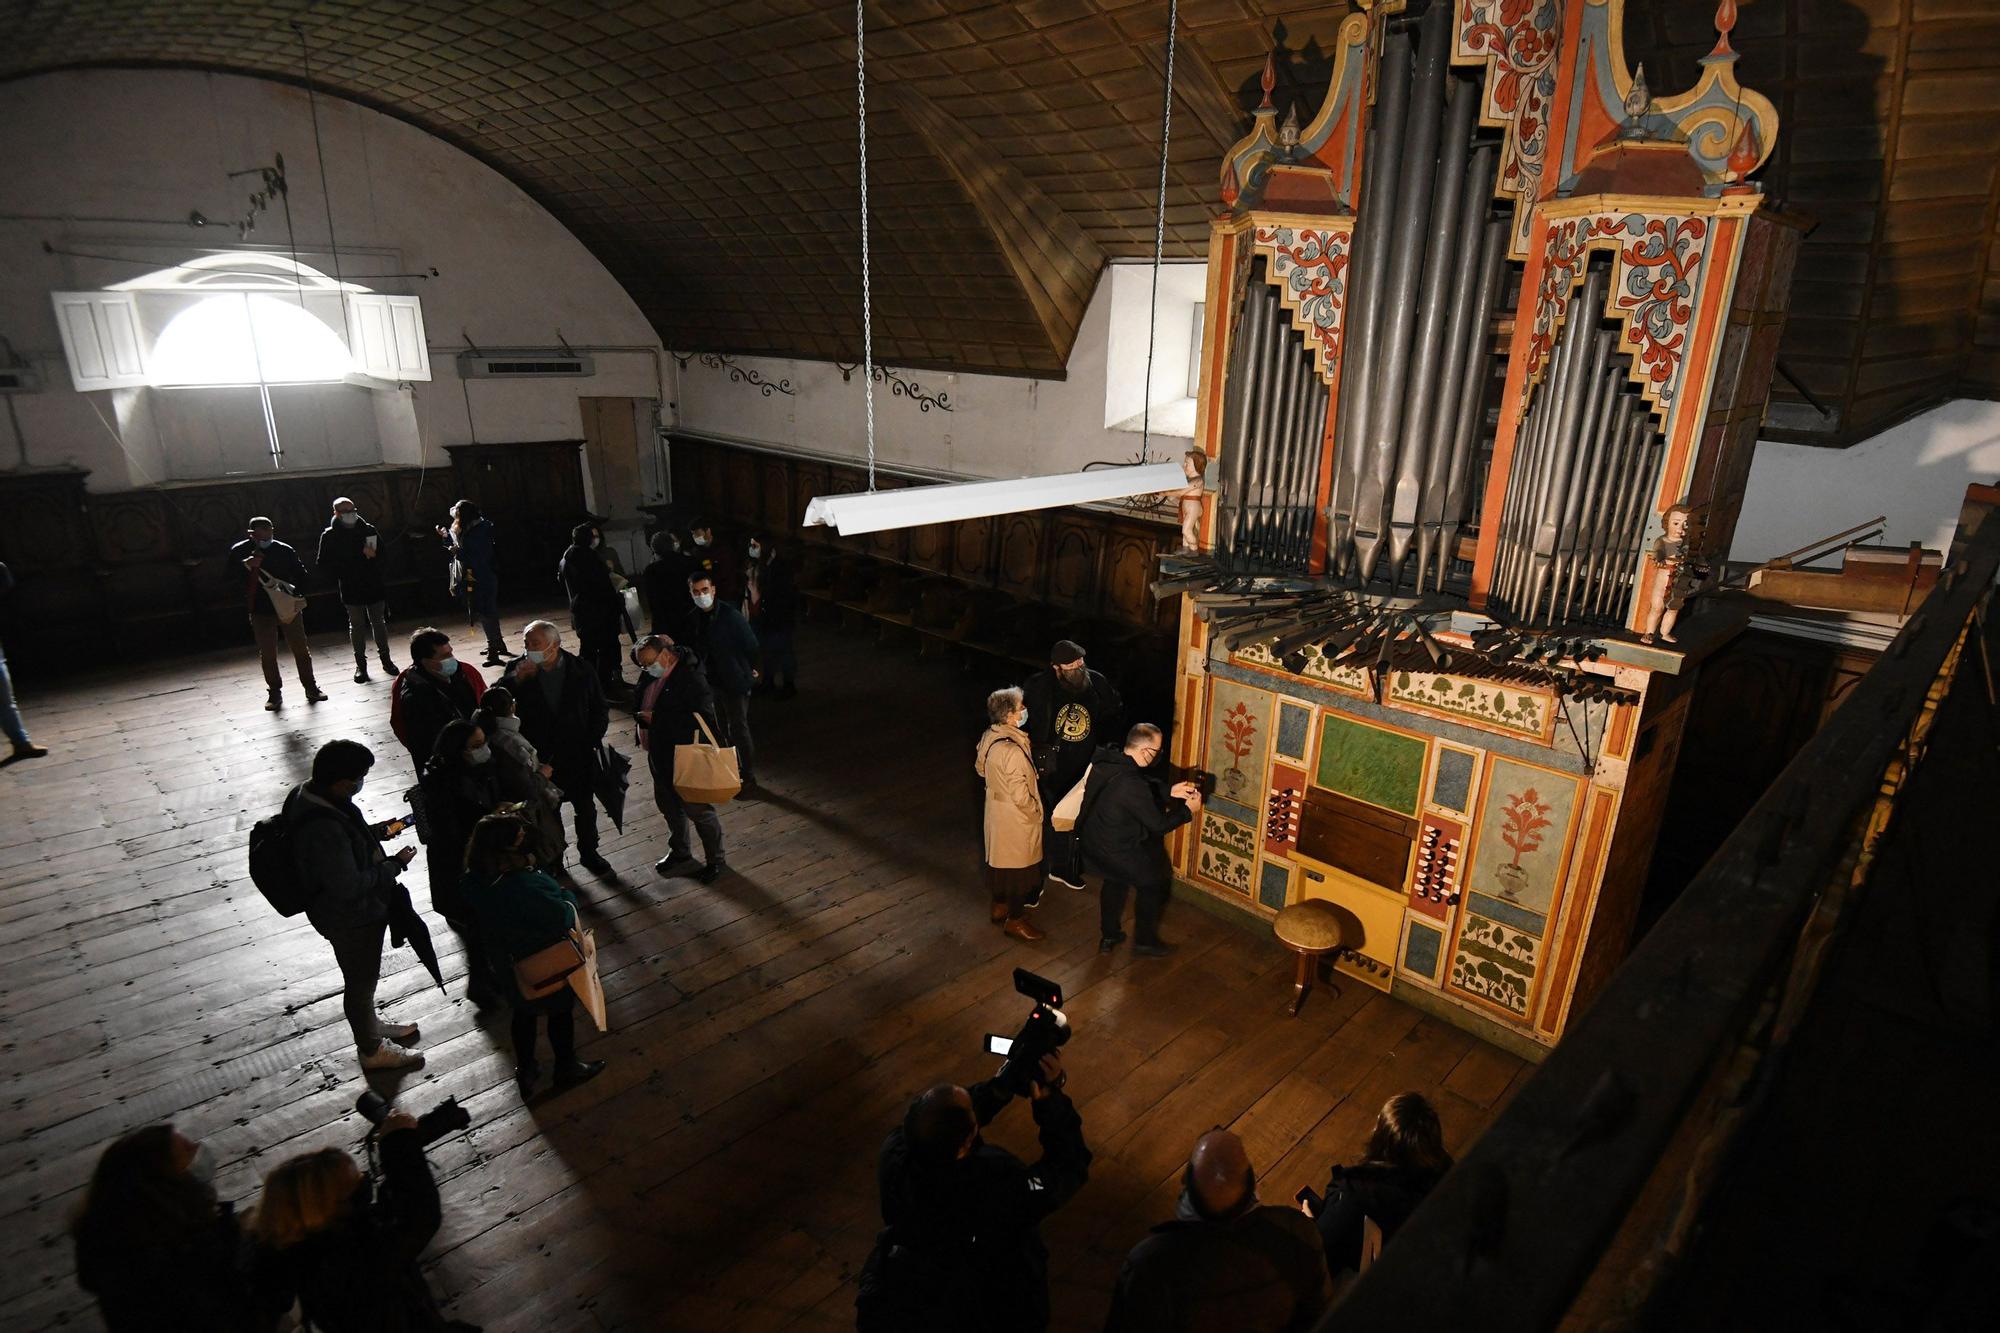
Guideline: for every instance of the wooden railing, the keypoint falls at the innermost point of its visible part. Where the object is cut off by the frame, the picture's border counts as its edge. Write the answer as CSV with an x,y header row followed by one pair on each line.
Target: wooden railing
x,y
1672,1046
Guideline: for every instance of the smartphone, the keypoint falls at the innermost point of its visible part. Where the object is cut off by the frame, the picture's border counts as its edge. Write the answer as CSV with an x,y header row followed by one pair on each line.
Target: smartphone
x,y
998,1045
395,827
1310,1200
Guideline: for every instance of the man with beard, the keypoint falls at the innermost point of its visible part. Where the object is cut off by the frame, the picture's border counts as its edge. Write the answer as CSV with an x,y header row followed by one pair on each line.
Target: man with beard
x,y
1071,711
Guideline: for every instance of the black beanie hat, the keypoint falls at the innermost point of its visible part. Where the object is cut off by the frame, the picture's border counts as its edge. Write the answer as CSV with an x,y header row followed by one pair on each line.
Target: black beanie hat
x,y
1065,652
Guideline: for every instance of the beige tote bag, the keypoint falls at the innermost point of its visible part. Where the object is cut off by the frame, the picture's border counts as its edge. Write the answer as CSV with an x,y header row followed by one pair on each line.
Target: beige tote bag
x,y
706,773
585,981
1063,818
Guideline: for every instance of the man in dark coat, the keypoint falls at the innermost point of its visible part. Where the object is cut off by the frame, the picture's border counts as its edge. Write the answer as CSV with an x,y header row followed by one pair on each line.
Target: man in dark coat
x,y
1071,711
716,561
438,688
595,605
1123,826
350,882
672,694
471,541
728,650
962,1247
771,603
563,715
664,583
259,555
1225,1263
349,550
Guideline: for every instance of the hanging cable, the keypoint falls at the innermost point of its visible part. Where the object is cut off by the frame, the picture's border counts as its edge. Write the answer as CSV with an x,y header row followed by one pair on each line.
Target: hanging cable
x,y
867,329
319,151
1159,230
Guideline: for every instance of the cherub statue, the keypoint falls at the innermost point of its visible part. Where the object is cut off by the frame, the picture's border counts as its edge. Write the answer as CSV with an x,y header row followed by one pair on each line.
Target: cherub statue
x,y
1194,463
1675,576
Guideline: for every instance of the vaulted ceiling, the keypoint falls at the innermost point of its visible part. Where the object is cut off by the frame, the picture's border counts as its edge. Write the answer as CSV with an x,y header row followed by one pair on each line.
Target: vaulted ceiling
x,y
705,151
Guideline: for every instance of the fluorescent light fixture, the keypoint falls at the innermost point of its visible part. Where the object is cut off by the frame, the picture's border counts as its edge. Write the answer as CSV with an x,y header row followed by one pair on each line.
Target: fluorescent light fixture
x,y
915,506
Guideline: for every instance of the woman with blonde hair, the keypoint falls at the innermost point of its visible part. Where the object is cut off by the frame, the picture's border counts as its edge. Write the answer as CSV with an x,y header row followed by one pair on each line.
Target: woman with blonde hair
x,y
1013,813
349,1251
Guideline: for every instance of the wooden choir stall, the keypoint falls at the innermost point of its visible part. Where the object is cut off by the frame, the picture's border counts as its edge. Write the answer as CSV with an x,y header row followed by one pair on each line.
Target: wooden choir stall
x,y
1488,341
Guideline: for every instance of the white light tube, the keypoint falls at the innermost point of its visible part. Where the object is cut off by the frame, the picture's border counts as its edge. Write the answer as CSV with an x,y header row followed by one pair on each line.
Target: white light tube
x,y
915,506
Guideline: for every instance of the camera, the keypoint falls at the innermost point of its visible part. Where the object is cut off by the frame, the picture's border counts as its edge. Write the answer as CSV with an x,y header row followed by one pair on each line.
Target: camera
x,y
1200,777
1046,1029
445,1118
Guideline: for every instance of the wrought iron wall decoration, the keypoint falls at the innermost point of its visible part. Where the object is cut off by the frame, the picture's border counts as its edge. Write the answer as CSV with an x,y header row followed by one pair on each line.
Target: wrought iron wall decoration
x,y
905,388
746,375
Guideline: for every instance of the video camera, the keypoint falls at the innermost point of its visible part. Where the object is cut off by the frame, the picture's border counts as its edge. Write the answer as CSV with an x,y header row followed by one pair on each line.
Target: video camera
x,y
446,1117
1046,1029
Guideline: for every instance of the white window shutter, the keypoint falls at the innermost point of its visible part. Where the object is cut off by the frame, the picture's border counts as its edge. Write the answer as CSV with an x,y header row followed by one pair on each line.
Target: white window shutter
x,y
386,336
100,335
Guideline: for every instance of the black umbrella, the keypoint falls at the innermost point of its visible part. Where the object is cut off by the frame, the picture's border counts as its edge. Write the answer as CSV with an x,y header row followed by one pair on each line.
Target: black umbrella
x,y
406,927
609,782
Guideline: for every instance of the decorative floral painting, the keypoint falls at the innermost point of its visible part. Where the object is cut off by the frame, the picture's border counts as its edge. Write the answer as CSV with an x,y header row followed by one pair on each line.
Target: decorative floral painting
x,y
1495,963
1524,821
1482,703
1228,852
1239,731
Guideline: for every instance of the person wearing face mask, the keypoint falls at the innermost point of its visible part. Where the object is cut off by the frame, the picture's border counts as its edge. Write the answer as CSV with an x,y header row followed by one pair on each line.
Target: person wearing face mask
x,y
158,1249
470,541
1071,711
258,555
1226,1263
727,647
349,550
595,606
961,1244
564,716
459,789
351,882
520,776
1122,829
672,694
435,689
664,584
1013,814
520,911
771,602
349,1250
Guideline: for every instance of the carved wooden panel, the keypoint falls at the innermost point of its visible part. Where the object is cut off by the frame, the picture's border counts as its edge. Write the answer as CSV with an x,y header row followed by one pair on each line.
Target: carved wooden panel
x,y
930,548
774,493
1074,544
1020,566
1128,581
972,550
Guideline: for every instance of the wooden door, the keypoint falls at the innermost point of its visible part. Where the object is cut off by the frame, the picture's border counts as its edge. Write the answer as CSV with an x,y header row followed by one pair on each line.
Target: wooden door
x,y
611,455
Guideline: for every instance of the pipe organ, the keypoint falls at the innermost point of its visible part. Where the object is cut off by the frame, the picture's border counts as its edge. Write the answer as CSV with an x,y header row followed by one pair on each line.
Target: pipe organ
x,y
1487,341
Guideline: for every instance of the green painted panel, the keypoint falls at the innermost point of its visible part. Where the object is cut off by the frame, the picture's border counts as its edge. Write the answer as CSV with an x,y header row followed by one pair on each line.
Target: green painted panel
x,y
1384,768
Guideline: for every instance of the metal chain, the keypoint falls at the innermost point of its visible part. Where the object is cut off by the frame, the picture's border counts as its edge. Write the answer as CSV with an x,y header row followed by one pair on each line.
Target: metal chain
x,y
867,328
1159,230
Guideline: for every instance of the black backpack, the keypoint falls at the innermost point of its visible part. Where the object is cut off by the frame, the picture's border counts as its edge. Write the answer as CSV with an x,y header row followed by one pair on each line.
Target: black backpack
x,y
274,866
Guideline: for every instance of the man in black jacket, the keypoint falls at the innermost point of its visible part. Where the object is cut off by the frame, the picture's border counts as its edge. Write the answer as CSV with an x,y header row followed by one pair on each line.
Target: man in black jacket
x,y
258,555
962,1249
665,585
437,689
595,605
1071,711
672,693
350,882
1225,1263
1122,827
728,650
563,715
349,550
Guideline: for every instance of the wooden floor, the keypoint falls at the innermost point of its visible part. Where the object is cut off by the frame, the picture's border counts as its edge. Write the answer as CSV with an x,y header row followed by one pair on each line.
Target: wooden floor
x,y
766,1031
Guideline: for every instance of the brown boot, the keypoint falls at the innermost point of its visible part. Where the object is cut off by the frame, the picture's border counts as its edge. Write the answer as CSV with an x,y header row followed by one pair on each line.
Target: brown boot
x,y
1023,929
999,913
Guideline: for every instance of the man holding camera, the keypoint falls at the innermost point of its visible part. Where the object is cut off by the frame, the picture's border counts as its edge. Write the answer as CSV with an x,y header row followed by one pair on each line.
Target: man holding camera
x,y
1123,826
962,1248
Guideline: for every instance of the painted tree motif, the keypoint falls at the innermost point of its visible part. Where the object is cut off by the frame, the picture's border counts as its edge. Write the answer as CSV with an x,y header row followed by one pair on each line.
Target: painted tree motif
x,y
1238,726
1521,827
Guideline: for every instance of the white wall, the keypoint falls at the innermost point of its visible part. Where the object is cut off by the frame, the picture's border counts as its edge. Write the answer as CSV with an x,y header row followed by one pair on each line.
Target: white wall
x,y
93,160
1915,474
999,426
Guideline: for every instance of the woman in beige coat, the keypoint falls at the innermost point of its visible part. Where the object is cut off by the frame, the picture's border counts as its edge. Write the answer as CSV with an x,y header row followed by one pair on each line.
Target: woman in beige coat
x,y
1013,813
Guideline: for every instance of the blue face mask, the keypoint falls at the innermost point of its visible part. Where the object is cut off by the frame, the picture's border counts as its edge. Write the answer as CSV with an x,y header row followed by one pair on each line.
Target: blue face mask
x,y
480,755
656,671
263,543
449,666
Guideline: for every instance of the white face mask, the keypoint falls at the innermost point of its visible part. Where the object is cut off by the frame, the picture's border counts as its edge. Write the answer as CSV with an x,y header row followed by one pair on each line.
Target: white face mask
x,y
596,542
263,543
756,551
348,520
704,600
480,755
702,539
201,1166
1022,721
655,671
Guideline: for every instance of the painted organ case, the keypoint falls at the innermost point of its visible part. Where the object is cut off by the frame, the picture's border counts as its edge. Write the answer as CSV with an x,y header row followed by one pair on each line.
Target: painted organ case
x,y
1487,344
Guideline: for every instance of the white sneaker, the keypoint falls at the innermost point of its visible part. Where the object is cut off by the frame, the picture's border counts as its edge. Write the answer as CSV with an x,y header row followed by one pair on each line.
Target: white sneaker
x,y
403,1034
391,1056
1066,881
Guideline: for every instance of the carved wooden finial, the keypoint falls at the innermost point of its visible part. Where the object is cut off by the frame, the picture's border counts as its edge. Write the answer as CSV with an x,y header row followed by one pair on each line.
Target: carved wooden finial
x,y
1288,133
1743,153
1231,187
1269,79
1725,23
1639,98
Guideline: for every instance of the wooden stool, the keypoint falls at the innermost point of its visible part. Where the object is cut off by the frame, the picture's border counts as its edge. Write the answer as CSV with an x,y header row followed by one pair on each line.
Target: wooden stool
x,y
1311,930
